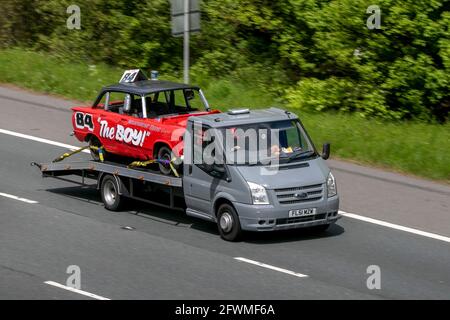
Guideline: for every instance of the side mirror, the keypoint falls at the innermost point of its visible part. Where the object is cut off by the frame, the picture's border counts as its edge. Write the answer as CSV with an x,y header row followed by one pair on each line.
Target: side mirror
x,y
219,168
127,103
325,151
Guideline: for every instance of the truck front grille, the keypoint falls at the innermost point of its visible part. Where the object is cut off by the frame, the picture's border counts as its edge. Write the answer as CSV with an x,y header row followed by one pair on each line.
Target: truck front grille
x,y
299,194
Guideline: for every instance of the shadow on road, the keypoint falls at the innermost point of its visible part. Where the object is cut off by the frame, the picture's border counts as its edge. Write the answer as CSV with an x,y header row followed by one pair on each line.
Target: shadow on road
x,y
292,235
180,219
147,211
82,193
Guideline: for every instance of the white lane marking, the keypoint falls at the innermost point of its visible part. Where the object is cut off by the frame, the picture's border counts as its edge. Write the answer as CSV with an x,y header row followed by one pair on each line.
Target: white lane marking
x,y
395,226
6,195
292,273
42,140
84,293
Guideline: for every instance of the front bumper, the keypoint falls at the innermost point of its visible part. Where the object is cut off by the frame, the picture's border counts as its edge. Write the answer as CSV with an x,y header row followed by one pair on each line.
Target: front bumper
x,y
276,217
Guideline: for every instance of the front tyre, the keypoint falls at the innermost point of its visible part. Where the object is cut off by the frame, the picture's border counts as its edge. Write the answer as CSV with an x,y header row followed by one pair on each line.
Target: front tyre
x,y
228,223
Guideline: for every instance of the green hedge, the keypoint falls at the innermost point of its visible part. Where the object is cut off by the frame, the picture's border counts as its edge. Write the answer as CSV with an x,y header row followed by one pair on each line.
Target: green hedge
x,y
316,55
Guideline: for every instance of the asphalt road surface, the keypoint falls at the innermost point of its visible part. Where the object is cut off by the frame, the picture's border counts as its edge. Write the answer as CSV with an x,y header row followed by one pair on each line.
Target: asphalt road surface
x,y
399,224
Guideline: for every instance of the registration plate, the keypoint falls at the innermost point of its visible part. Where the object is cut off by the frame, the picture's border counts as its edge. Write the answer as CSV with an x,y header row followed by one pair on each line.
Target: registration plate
x,y
302,212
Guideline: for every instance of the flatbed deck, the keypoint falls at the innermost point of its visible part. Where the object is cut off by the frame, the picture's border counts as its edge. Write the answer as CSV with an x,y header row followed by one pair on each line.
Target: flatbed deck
x,y
137,183
90,169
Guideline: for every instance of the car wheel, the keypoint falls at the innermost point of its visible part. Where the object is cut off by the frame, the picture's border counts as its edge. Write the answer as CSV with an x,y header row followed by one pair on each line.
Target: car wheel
x,y
110,193
164,153
228,223
94,142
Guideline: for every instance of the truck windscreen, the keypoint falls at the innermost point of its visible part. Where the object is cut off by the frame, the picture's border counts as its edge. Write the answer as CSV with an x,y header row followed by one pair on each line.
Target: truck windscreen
x,y
265,143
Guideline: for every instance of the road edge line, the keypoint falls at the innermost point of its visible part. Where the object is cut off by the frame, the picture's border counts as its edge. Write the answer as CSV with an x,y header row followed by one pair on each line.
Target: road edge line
x,y
84,293
395,226
11,196
42,140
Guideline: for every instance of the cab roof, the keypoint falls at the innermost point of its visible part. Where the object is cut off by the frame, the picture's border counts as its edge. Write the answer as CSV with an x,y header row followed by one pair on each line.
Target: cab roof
x,y
227,119
147,86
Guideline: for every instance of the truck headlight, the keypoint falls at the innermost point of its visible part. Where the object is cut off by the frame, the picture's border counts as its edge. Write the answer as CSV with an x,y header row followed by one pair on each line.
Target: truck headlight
x,y
259,194
331,185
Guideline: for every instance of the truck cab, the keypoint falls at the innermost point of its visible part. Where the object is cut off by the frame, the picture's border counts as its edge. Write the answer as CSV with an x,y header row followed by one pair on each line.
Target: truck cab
x,y
256,170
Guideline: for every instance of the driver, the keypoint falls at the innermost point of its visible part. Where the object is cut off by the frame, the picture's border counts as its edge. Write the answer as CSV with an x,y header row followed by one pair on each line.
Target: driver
x,y
275,150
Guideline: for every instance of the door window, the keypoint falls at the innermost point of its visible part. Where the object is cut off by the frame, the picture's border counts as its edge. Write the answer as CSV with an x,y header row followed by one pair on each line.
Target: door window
x,y
206,156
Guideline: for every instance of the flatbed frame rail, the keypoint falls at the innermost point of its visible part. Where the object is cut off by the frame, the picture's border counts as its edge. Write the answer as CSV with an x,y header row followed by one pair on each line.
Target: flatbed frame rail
x,y
129,178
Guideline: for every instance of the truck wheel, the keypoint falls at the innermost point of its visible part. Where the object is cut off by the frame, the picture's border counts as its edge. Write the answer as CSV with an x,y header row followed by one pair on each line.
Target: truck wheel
x,y
110,193
228,223
94,142
164,153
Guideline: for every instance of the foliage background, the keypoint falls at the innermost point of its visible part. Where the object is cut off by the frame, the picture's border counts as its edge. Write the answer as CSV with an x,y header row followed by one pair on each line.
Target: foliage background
x,y
314,55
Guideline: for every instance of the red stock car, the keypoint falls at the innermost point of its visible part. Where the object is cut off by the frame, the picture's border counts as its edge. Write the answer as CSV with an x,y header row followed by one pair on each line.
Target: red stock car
x,y
141,120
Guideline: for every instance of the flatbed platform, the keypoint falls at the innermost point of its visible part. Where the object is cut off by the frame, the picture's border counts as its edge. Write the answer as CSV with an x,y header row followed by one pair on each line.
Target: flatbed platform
x,y
137,183
91,168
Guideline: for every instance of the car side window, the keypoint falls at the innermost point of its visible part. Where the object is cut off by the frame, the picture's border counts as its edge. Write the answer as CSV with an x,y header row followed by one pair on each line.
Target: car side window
x,y
179,103
136,107
116,101
193,100
157,104
172,102
103,101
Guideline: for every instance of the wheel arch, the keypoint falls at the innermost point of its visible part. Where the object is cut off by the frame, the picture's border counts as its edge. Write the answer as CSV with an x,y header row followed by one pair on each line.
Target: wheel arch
x,y
158,145
89,136
92,135
103,175
220,201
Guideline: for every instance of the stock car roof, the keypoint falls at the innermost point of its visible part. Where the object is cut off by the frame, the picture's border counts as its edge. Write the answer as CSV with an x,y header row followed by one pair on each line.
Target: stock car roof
x,y
147,86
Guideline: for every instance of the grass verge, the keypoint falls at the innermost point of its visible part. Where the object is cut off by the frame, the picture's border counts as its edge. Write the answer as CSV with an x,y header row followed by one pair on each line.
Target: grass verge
x,y
416,148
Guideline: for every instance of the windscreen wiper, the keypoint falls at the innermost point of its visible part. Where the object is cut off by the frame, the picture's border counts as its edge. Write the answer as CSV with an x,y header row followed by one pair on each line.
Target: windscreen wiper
x,y
300,155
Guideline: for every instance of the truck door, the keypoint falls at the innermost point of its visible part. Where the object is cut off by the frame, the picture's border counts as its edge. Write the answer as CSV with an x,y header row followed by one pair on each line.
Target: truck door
x,y
200,186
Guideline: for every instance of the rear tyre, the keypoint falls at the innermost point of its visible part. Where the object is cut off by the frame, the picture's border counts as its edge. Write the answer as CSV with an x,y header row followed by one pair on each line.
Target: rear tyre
x,y
164,153
109,190
228,223
94,142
